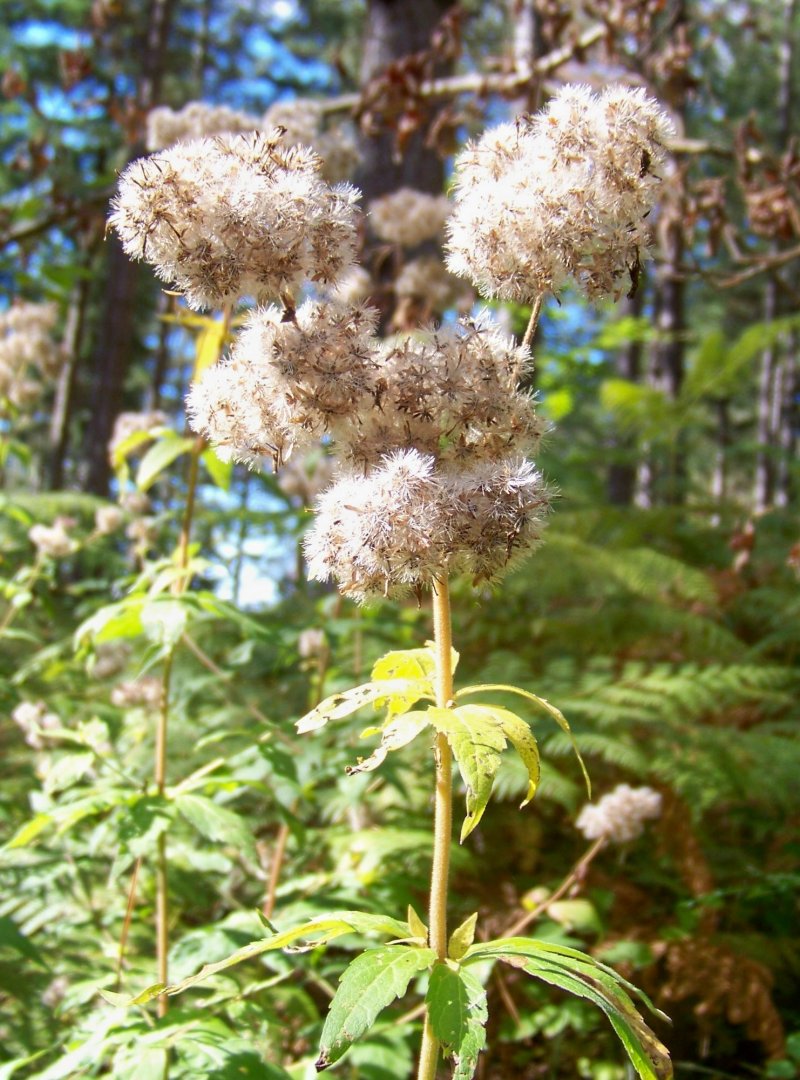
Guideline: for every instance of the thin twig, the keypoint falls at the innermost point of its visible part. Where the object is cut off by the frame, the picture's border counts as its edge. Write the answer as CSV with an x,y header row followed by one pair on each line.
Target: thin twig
x,y
533,322
126,926
575,874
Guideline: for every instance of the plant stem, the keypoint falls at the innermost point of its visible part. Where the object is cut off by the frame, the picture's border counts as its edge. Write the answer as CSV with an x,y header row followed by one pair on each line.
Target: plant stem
x,y
443,811
179,586
162,902
533,321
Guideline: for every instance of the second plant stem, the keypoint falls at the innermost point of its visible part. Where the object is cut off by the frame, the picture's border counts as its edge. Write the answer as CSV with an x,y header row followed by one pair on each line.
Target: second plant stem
x,y
443,811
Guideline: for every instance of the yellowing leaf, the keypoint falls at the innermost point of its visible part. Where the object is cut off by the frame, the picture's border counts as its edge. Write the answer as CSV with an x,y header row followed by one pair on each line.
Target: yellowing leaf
x,y
350,701
210,342
556,714
462,937
399,732
476,741
519,734
416,925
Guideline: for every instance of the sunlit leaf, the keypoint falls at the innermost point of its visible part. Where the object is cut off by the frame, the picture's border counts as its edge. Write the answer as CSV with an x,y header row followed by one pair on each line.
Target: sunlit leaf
x,y
368,985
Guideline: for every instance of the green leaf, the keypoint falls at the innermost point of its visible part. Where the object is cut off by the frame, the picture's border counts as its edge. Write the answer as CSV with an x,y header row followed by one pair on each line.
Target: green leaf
x,y
368,985
416,925
417,665
217,823
221,472
556,714
316,931
457,1011
462,937
476,741
11,937
584,977
400,732
519,734
164,620
350,701
160,455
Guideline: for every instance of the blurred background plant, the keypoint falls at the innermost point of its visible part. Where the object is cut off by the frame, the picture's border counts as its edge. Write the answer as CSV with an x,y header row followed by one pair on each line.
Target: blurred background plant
x,y
662,613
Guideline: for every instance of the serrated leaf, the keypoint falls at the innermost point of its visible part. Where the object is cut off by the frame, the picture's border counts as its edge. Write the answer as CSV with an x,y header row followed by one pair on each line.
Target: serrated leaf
x,y
416,925
476,741
400,732
316,931
556,714
159,457
122,1001
584,977
368,985
462,937
456,1003
217,823
350,701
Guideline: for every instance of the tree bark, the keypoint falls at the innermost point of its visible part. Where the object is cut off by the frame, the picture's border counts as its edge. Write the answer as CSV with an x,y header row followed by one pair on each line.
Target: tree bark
x,y
768,391
394,29
114,344
621,482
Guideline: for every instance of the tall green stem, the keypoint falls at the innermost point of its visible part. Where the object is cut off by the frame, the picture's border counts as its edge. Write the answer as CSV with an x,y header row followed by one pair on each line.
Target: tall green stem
x,y
443,810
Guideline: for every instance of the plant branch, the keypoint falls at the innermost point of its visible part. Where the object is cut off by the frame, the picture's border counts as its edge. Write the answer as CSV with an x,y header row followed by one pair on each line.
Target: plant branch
x,y
575,875
472,83
533,322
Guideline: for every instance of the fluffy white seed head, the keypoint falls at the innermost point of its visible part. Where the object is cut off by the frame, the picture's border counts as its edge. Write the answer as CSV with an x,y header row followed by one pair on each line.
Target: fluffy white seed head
x,y
620,815
407,523
427,281
286,380
197,120
53,540
128,424
560,195
451,393
235,216
107,519
303,120
34,719
29,357
408,217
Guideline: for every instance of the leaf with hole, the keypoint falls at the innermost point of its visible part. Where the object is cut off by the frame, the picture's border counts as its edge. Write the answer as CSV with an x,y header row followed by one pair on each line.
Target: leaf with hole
x,y
349,701
397,733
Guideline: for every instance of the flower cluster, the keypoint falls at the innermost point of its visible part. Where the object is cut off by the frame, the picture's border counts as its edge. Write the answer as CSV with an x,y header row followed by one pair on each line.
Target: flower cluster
x,y
407,217
560,195
300,119
197,120
620,815
128,424
287,381
235,216
145,691
28,353
34,719
430,430
53,540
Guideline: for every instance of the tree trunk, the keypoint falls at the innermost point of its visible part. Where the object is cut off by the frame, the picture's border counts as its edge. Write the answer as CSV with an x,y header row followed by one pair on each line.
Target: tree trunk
x,y
768,392
394,29
719,477
787,423
114,345
621,482
62,406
